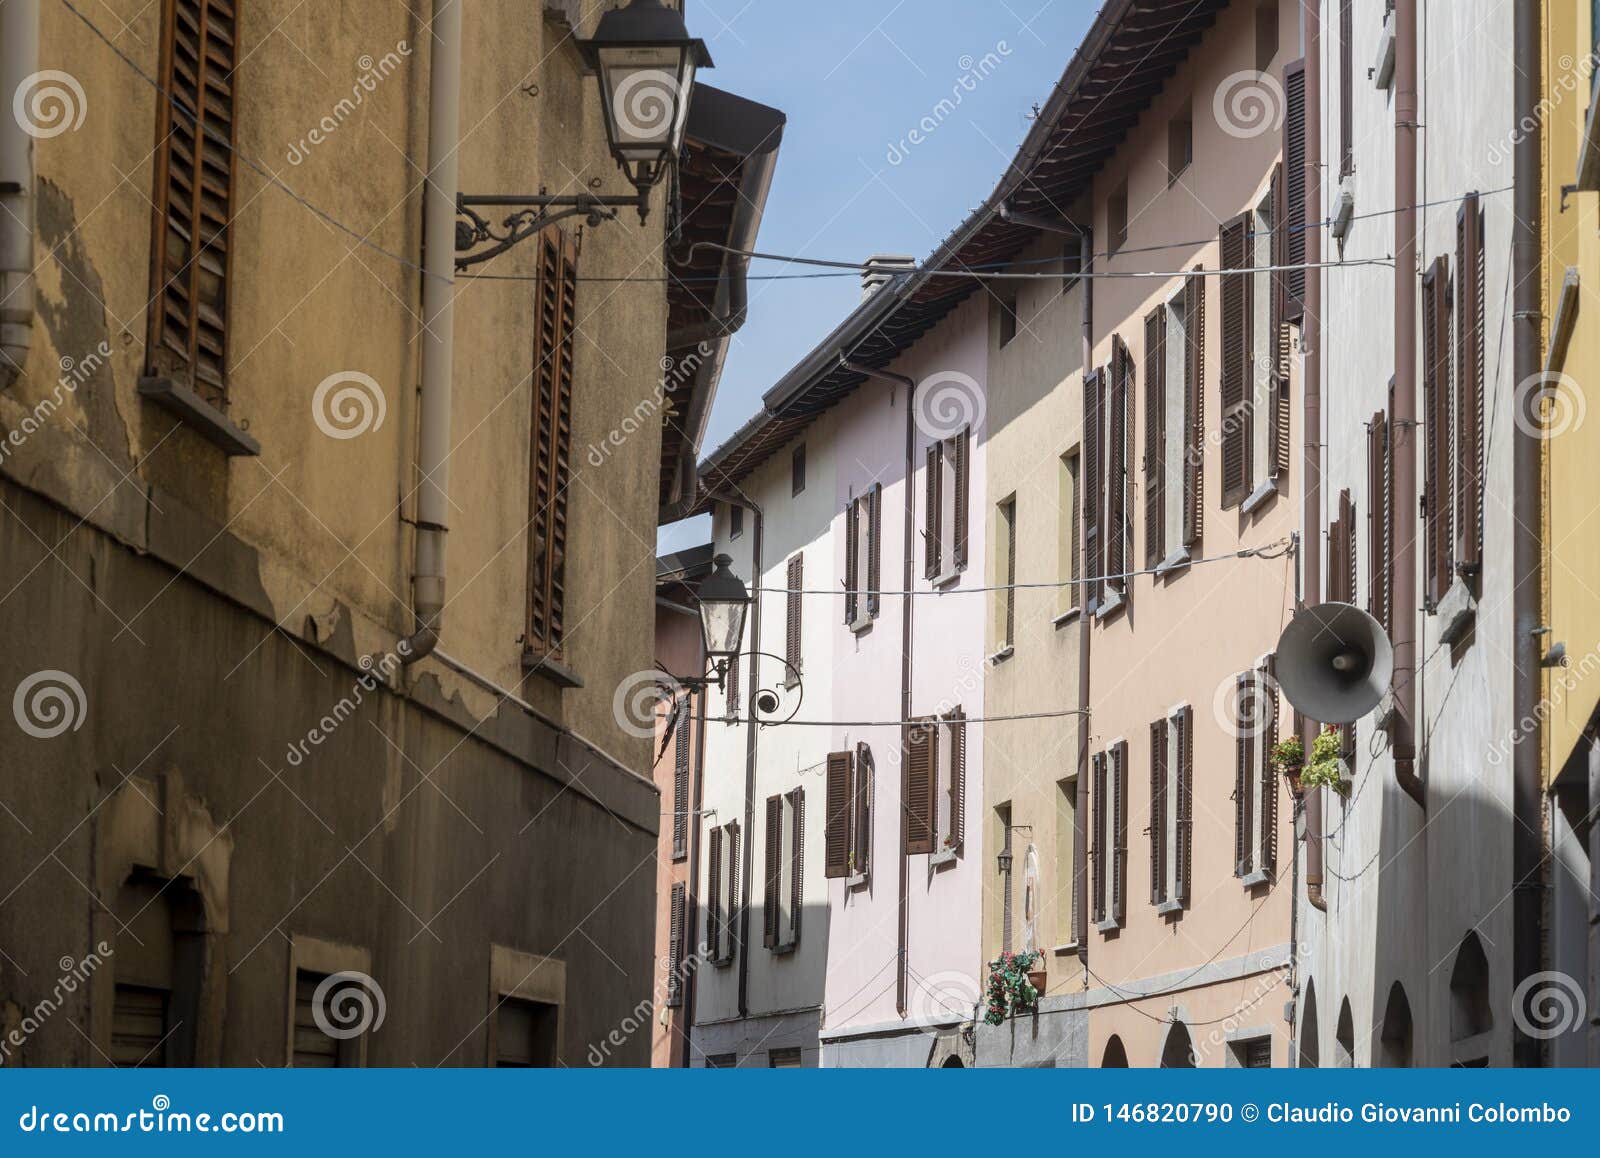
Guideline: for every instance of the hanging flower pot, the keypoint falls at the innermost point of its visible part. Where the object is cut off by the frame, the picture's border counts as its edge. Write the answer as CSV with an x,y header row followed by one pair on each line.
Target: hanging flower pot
x,y
1036,978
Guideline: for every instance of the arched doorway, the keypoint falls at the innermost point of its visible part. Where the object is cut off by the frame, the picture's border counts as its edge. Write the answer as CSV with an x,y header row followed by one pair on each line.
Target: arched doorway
x,y
952,1063
1309,1058
1344,1038
1395,1042
1116,1055
1470,1014
1178,1054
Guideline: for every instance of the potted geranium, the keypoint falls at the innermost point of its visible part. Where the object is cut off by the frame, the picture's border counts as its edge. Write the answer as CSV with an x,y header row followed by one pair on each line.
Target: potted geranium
x,y
1012,987
1326,766
1289,758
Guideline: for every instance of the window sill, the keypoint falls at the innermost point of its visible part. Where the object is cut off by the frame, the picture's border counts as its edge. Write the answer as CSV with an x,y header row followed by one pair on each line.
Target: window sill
x,y
199,416
943,857
784,950
1177,561
549,669
1067,617
791,682
1251,879
946,579
1259,497
1002,655
721,962
861,623
1070,949
859,881
1114,602
1107,926
1456,611
1168,907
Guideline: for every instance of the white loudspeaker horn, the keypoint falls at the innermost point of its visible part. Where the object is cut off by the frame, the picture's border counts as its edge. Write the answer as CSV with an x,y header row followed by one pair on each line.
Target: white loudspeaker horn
x,y
1334,663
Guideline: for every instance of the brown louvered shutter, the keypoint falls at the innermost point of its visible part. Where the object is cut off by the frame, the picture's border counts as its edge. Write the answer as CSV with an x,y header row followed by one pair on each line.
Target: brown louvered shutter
x,y
920,784
715,919
1296,174
1158,812
796,582
1347,88
874,549
1268,684
1244,689
1117,483
192,250
1092,502
1194,393
1380,519
836,823
1155,435
1011,575
555,320
1236,364
735,898
1470,396
1119,823
1279,435
861,826
1341,553
797,862
732,706
957,723
680,782
962,448
676,924
852,576
930,521
773,869
1184,723
1098,777
1436,427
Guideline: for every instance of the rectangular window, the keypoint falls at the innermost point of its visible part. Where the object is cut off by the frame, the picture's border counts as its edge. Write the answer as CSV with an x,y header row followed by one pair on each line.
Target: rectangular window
x,y
1256,418
921,781
1092,503
1438,463
1067,884
862,557
1117,443
722,1061
677,936
1005,600
1180,143
735,522
784,871
1110,770
795,582
1253,1053
192,250
1171,808
847,826
1255,796
1069,534
944,514
786,1058
722,892
555,315
1296,175
1380,518
680,778
797,470
1347,83
1117,216
525,1034
1470,392
950,757
1098,833
1006,317
314,1048
1167,477
139,1029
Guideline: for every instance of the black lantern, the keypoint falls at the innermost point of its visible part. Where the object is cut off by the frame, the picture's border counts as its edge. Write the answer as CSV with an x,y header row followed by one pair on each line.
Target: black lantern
x,y
724,602
646,61
1003,860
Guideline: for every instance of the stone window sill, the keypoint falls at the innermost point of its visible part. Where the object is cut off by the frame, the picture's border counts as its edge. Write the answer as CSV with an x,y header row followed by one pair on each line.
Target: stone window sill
x,y
1067,617
550,669
199,416
1259,497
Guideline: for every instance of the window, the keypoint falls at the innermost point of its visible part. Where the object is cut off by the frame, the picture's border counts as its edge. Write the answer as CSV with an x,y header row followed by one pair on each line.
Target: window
x,y
1006,315
936,763
862,554
722,892
1109,770
1069,534
1395,1040
1295,176
677,935
1468,557
680,779
1252,1053
847,826
1255,786
947,483
785,870
1256,418
735,522
722,1061
787,1058
314,1047
159,965
1117,216
555,320
192,250
1266,34
1180,143
1005,603
1067,886
1113,408
1347,88
1470,1012
795,581
1438,475
1341,588
797,470
1380,518
1171,808
525,1034
1174,450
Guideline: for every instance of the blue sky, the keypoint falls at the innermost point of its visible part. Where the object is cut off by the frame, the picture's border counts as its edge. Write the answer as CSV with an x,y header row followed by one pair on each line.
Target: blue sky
x,y
855,79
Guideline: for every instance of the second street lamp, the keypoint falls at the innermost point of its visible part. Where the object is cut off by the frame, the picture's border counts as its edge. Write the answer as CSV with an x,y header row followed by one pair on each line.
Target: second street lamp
x,y
724,603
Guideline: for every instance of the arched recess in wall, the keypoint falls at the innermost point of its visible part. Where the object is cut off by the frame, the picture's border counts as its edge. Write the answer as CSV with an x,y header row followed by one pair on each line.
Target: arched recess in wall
x,y
1178,1053
1395,1042
1309,1056
1344,1038
1116,1056
1470,1014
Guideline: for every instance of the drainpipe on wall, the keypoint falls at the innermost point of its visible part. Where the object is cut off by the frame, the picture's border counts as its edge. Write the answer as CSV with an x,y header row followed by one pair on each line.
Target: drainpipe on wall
x,y
1080,814
1527,787
19,59
902,991
692,901
438,330
1311,340
1403,422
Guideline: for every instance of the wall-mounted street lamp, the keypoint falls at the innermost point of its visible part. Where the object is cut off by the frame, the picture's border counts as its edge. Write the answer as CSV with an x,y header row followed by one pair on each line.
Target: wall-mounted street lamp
x,y
724,604
646,63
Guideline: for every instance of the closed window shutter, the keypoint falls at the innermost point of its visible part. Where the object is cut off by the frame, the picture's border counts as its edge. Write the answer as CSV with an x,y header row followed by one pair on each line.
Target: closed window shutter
x,y
675,946
1470,377
731,692
1184,723
861,830
715,913
962,447
1098,777
852,578
1236,364
1158,812
1155,435
191,252
1268,690
957,724
1011,574
1379,519
680,783
1279,436
1119,440
921,771
735,897
1119,776
1092,502
555,322
773,869
930,522
796,581
797,863
1194,389
874,548
836,824
1296,174
1436,423
1244,686
1347,88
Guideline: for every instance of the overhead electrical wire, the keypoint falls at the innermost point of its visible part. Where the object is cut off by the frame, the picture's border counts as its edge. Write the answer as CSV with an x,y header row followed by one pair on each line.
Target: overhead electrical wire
x,y
926,720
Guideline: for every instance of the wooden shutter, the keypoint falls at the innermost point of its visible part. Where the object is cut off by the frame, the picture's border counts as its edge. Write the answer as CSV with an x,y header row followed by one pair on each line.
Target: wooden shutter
x,y
1347,88
1183,722
1470,378
773,870
962,448
1092,501
715,920
1244,687
735,897
680,782
1158,812
930,522
956,721
1011,574
192,250
1341,553
836,823
1097,765
852,564
1118,444
874,549
1268,780
555,321
1119,822
1279,435
1194,383
676,924
139,1030
1155,435
1380,519
1236,364
731,704
1436,426
796,581
1296,174
922,767
861,824
797,863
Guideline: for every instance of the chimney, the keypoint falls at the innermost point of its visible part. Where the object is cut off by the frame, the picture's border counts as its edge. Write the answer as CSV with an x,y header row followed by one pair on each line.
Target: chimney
x,y
881,268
